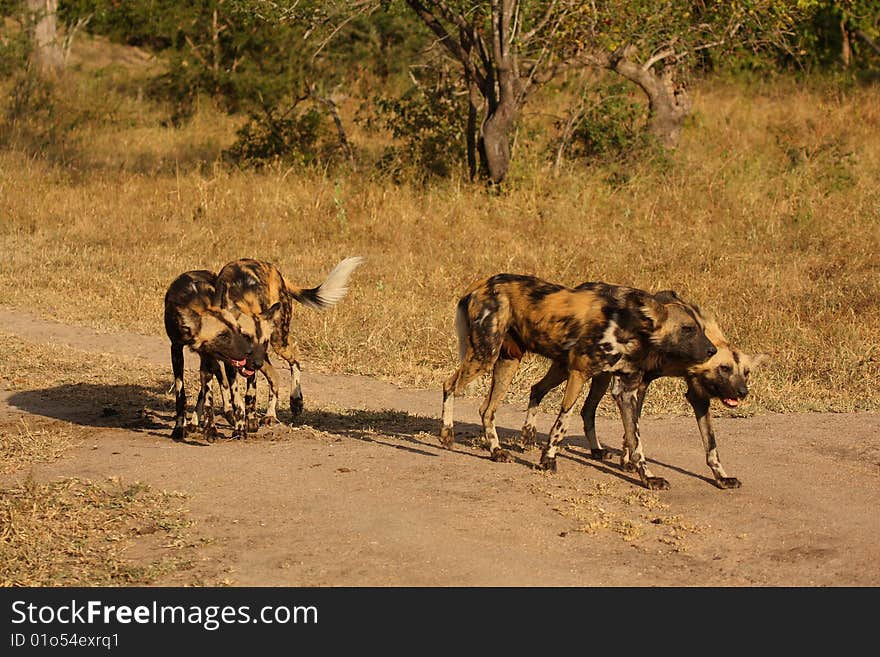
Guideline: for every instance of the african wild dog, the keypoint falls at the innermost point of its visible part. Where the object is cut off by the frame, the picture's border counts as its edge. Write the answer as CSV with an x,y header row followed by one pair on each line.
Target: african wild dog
x,y
252,286
724,376
192,320
589,330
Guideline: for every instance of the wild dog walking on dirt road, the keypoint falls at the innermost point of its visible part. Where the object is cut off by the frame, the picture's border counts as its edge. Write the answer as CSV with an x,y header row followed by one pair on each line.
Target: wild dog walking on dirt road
x,y
589,330
724,376
192,320
253,286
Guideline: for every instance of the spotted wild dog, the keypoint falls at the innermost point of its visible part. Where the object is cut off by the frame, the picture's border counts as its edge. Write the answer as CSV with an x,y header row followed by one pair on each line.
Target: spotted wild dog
x,y
588,330
724,376
252,286
192,320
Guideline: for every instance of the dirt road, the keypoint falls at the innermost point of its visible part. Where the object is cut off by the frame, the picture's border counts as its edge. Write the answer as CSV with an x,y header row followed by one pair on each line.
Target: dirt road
x,y
363,495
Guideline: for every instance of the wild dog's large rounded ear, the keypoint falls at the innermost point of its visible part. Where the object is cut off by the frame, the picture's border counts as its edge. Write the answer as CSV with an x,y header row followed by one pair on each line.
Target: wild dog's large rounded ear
x,y
667,296
272,314
654,310
219,293
760,360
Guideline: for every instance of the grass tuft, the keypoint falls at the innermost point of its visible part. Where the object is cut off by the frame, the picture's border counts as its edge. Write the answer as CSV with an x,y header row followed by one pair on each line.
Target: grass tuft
x,y
78,533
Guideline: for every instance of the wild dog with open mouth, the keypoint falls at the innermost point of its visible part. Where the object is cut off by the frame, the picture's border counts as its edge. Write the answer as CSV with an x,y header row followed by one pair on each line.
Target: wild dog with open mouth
x,y
252,286
192,320
724,376
587,330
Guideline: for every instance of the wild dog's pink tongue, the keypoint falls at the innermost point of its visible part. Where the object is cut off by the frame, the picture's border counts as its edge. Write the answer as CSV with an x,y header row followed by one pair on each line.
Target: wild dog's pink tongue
x,y
732,403
245,371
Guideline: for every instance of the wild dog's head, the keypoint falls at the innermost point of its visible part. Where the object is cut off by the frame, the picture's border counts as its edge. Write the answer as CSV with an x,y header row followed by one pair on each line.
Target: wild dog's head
x,y
677,331
191,318
258,328
217,332
726,374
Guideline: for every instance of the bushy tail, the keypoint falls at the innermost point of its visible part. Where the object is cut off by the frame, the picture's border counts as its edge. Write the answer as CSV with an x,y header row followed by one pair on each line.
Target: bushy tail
x,y
462,326
332,290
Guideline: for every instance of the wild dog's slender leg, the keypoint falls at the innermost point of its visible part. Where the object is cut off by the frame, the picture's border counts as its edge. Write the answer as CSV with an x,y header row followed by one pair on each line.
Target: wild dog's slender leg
x,y
250,404
455,385
179,432
271,375
220,370
204,411
198,415
598,388
700,405
557,373
288,351
625,459
209,431
238,406
230,374
573,387
625,391
484,337
504,370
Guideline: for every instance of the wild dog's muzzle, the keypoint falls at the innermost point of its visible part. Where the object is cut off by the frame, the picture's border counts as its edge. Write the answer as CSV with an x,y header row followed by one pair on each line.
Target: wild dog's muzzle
x,y
733,402
242,366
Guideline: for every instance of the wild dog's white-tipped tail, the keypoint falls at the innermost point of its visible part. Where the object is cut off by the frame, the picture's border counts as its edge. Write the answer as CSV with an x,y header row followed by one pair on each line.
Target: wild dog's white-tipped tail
x,y
461,328
332,290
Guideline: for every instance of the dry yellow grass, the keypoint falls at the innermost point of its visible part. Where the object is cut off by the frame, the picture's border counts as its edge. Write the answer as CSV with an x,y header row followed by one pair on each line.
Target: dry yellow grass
x,y
768,216
78,533
33,441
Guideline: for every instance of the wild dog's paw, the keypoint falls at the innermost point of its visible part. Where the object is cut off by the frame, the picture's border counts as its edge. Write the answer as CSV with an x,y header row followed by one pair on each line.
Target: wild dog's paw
x,y
529,435
627,466
500,455
548,463
296,406
179,433
239,433
253,425
268,420
447,437
599,454
656,483
210,433
728,482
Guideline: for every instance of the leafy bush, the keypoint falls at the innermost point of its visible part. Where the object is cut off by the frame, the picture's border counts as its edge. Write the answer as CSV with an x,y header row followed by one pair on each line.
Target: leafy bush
x,y
426,121
611,127
293,137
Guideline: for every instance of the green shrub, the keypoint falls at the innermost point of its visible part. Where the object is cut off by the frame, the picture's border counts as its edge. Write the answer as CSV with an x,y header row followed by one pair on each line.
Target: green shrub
x,y
426,121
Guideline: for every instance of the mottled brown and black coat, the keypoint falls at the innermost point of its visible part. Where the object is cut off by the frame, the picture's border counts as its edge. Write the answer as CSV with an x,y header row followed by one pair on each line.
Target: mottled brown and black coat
x,y
584,331
258,289
724,376
192,320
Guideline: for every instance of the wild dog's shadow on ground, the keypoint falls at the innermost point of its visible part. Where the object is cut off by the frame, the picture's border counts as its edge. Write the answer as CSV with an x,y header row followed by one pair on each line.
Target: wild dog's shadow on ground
x,y
149,410
133,407
420,433
579,452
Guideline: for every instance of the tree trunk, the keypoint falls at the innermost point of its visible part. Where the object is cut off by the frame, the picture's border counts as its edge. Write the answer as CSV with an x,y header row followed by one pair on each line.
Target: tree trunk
x,y
505,100
471,127
845,46
668,105
495,139
47,53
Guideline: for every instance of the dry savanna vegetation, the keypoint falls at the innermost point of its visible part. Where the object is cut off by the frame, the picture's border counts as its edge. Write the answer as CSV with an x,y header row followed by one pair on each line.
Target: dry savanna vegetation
x,y
69,531
76,532
767,215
